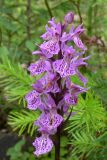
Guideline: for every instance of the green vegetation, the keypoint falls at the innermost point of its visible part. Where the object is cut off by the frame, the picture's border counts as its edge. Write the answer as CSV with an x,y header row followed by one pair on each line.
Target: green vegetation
x,y
21,24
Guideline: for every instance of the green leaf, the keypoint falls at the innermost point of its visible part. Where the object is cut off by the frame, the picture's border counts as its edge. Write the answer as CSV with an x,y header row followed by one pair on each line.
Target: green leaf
x,y
89,115
30,45
3,51
84,143
23,121
15,81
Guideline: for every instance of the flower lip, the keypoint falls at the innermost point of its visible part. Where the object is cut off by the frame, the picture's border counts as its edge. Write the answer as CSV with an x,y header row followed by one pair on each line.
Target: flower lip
x,y
42,145
33,100
48,83
39,67
49,121
50,48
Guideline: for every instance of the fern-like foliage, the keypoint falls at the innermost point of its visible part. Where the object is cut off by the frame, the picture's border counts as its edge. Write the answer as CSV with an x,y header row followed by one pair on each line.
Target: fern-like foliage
x,y
98,82
84,143
15,81
87,126
100,152
23,121
89,114
89,146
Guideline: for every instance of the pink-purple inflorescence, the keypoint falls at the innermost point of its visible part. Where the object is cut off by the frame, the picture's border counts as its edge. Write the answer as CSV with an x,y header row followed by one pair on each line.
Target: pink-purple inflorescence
x,y
54,93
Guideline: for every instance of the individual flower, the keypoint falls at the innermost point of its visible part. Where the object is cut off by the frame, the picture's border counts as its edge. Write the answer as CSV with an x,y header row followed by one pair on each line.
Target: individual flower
x,y
65,67
73,35
74,88
48,83
52,32
33,100
70,99
65,37
67,50
46,103
50,48
39,67
42,145
68,66
49,121
76,31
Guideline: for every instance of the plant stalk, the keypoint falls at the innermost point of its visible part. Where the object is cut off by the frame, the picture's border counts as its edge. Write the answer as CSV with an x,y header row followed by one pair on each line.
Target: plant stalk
x,y
48,8
57,144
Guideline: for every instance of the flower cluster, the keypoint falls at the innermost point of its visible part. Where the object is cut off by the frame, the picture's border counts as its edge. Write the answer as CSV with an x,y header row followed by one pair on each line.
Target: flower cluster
x,y
54,93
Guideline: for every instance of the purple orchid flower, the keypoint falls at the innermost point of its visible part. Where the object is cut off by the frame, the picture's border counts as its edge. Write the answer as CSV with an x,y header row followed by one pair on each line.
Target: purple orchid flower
x,y
48,83
50,48
39,67
54,93
49,121
33,100
68,66
53,32
70,99
43,145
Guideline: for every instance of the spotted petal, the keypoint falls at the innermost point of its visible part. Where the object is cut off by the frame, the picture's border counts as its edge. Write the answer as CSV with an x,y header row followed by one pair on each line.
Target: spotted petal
x,y
50,48
39,67
42,145
64,68
47,84
33,100
49,121
70,99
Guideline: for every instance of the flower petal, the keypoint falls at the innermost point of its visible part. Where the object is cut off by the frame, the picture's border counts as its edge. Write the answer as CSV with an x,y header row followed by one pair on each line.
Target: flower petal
x,y
33,100
49,121
39,67
82,78
43,145
64,68
50,48
70,99
79,43
47,84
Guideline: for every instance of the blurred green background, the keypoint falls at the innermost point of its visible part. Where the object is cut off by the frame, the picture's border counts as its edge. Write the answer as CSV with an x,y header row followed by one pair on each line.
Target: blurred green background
x,y
21,24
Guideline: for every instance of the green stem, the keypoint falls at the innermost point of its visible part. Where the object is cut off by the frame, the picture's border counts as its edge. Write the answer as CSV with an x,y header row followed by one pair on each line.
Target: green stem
x,y
48,8
0,36
28,13
90,17
79,12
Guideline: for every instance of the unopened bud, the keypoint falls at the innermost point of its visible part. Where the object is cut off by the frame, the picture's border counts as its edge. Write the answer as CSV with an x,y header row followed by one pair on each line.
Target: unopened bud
x,y
69,18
